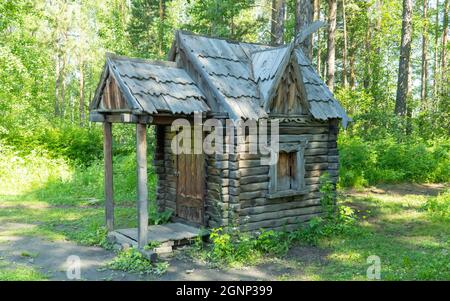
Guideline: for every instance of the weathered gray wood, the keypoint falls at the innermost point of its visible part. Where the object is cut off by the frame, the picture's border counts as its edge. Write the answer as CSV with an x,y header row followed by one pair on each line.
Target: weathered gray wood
x,y
109,191
278,207
142,203
274,223
300,169
287,193
254,179
254,187
283,213
253,171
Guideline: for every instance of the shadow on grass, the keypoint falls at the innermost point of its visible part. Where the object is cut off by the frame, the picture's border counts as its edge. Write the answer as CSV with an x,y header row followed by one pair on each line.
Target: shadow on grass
x,y
74,208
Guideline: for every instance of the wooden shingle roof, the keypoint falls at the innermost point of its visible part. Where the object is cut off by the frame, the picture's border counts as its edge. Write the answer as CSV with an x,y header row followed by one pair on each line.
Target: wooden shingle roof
x,y
232,77
156,87
228,69
244,74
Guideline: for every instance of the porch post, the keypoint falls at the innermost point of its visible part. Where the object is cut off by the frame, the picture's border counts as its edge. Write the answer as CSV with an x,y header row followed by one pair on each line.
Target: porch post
x,y
109,201
141,154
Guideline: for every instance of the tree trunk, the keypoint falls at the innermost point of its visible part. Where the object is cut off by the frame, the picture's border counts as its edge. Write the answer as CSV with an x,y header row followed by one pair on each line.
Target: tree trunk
x,y
63,87
331,43
404,83
162,13
368,49
444,67
424,73
57,84
316,17
352,76
277,26
436,52
82,109
304,17
344,53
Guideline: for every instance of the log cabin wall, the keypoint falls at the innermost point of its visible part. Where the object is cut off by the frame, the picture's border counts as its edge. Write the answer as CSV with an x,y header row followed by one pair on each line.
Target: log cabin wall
x,y
259,211
237,184
166,171
218,185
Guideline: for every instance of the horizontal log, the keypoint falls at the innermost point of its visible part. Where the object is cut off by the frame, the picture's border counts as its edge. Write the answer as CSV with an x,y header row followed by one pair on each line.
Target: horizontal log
x,y
253,194
316,151
262,201
279,207
316,159
316,166
254,171
254,179
268,224
282,214
254,187
309,138
283,130
249,163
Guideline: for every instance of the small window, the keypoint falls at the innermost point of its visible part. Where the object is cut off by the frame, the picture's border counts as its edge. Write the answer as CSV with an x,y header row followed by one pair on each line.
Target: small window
x,y
286,171
287,177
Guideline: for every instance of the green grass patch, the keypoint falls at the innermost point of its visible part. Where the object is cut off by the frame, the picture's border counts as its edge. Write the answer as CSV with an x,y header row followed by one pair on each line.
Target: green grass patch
x,y
16,272
439,207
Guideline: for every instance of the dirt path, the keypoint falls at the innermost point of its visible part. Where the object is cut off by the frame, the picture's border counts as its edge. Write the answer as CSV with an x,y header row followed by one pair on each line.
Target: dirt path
x,y
51,258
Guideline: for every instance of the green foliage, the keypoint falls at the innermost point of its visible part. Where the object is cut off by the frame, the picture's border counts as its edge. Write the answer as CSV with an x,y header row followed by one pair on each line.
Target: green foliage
x,y
439,207
157,217
226,18
232,247
77,144
388,161
93,235
132,260
336,220
273,242
19,272
21,173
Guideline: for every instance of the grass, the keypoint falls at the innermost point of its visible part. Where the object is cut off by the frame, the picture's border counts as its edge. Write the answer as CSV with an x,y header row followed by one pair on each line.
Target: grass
x,y
132,260
19,272
411,244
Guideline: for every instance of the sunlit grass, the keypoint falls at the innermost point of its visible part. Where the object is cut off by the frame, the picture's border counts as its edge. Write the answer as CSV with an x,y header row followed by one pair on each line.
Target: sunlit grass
x,y
18,272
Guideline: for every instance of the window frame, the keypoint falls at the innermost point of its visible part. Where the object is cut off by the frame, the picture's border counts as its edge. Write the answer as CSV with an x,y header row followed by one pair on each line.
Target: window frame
x,y
298,147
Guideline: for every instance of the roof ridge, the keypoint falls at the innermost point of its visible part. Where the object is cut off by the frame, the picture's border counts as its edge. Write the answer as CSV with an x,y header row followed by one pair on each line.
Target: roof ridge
x,y
114,56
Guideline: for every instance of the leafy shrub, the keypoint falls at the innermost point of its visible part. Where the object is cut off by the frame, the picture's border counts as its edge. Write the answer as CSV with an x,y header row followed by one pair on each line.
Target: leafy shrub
x,y
337,219
159,217
80,145
439,207
132,260
21,172
366,163
273,242
230,246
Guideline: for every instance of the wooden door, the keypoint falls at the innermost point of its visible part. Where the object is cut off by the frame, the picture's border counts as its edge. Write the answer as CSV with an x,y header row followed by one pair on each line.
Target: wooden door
x,y
191,187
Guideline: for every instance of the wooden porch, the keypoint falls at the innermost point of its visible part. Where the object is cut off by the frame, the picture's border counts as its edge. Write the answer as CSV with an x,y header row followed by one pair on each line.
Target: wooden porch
x,y
165,236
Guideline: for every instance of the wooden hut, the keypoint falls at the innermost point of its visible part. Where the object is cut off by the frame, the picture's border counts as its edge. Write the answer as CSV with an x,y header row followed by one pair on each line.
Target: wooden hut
x,y
225,80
